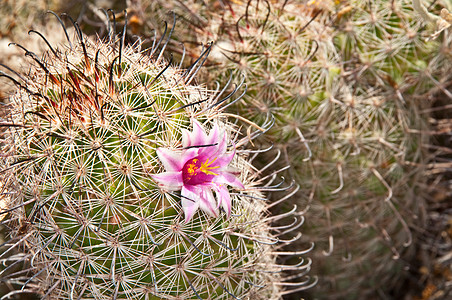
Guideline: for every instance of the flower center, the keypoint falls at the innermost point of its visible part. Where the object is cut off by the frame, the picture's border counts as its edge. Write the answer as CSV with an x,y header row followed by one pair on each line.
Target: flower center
x,y
197,171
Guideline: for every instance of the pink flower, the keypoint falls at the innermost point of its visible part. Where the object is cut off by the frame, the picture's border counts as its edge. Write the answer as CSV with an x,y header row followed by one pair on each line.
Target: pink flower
x,y
200,167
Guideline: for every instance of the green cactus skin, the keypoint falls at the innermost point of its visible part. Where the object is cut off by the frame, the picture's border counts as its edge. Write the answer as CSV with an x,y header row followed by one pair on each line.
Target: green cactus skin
x,y
79,148
347,87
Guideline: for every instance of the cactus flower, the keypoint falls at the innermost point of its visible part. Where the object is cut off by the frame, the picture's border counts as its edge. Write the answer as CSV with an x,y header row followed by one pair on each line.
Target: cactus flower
x,y
200,167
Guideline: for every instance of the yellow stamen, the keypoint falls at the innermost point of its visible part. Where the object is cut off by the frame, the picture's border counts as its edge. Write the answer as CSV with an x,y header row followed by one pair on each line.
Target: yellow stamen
x,y
192,167
206,169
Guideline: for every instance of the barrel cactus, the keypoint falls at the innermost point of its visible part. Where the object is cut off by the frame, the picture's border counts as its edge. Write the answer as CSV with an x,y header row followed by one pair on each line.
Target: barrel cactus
x,y
348,83
126,180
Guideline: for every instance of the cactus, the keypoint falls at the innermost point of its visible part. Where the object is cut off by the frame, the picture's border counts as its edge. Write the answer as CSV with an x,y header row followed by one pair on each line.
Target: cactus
x,y
347,83
434,265
100,165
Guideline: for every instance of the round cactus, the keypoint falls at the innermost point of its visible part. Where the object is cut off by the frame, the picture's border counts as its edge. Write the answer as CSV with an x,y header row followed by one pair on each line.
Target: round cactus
x,y
347,83
127,181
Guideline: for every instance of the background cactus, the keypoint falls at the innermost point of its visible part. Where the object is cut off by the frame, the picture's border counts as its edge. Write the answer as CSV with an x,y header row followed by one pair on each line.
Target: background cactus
x,y
17,18
434,256
348,83
79,149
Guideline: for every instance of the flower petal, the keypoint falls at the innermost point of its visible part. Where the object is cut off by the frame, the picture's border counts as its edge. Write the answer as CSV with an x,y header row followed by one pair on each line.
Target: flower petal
x,y
170,180
222,144
174,161
229,178
208,203
224,198
197,137
217,150
213,134
171,160
186,140
190,202
224,159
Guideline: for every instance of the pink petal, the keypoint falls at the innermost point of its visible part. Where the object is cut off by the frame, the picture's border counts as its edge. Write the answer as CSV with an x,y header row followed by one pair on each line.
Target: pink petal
x,y
190,202
213,134
220,145
229,178
174,161
197,137
224,199
171,160
224,159
170,180
186,140
208,203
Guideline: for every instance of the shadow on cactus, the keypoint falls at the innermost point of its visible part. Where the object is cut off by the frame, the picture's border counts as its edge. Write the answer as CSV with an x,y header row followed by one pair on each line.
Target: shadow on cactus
x,y
123,179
